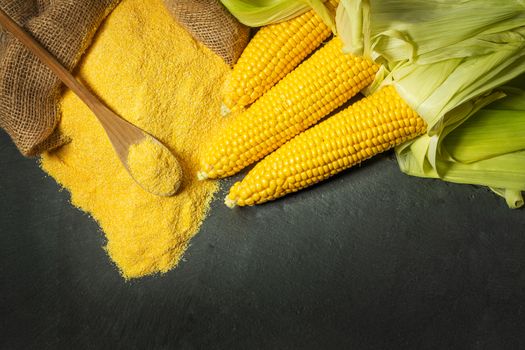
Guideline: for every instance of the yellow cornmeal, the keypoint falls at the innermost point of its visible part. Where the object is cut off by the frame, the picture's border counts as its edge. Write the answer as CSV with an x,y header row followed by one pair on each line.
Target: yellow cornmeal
x,y
154,167
151,72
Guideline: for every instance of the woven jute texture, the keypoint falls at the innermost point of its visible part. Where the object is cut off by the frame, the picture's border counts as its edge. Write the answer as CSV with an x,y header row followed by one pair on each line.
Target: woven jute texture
x,y
29,91
210,22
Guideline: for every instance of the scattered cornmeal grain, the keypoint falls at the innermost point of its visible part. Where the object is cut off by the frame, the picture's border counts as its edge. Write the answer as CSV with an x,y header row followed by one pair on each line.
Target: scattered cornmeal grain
x,y
154,167
152,73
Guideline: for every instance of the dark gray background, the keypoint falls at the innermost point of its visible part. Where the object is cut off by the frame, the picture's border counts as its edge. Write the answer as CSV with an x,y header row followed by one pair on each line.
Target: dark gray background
x,y
372,259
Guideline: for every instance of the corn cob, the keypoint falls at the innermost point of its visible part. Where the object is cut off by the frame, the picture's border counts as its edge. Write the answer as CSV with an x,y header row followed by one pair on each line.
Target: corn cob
x,y
274,51
369,126
318,86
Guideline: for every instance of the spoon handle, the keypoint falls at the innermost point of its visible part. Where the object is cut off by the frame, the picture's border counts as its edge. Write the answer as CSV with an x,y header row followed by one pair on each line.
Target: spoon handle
x,y
50,61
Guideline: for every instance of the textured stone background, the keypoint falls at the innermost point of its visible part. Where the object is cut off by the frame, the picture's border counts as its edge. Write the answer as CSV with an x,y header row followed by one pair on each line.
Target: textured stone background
x,y
370,259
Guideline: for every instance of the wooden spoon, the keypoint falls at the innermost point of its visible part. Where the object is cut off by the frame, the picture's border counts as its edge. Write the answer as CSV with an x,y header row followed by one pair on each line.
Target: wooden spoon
x,y
120,132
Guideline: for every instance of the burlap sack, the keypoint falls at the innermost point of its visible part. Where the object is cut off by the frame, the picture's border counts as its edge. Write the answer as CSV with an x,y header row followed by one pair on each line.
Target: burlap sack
x,y
29,91
209,22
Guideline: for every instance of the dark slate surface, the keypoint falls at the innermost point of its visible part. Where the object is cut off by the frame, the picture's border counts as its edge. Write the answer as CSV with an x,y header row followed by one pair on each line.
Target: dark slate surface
x,y
371,259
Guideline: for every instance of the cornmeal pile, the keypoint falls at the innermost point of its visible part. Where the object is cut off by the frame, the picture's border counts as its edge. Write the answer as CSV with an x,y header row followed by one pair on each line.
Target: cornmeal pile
x,y
152,73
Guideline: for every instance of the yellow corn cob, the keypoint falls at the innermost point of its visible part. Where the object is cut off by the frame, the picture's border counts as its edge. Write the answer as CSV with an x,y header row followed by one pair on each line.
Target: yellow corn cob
x,y
369,126
318,86
274,51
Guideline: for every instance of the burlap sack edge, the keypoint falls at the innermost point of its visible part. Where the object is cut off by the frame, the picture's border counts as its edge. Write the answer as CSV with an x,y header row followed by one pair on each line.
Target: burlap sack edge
x,y
52,138
199,17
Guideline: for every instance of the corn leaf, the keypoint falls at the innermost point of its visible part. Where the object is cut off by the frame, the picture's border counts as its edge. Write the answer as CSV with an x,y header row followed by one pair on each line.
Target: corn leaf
x,y
448,60
257,13
434,89
261,12
488,134
438,53
513,198
403,29
487,149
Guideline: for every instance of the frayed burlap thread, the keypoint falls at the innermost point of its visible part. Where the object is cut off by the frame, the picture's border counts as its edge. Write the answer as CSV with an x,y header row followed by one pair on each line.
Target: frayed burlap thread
x,y
29,91
209,22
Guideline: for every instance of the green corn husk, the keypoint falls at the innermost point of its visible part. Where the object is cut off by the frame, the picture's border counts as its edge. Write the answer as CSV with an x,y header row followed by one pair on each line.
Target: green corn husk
x,y
406,29
257,13
448,60
487,149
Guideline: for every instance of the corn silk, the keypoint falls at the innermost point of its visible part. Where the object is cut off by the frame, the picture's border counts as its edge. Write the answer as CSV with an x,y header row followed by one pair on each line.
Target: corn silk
x,y
151,72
